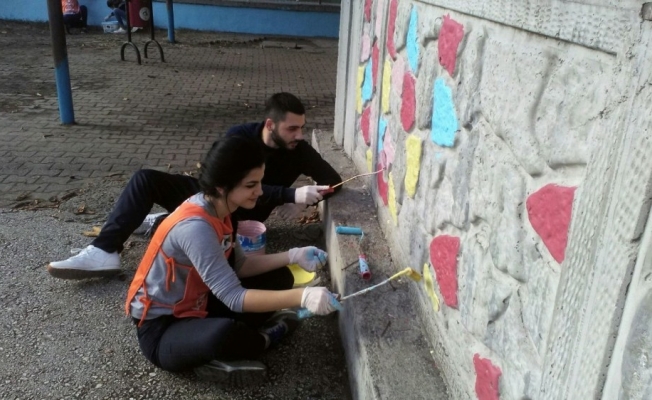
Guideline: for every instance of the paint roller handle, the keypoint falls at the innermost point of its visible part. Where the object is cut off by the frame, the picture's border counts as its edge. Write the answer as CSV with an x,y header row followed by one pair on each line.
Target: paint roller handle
x,y
327,191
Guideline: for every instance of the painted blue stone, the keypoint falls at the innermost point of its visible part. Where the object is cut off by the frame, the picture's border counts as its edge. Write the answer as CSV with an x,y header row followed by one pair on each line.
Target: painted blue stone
x,y
382,126
444,120
412,41
367,86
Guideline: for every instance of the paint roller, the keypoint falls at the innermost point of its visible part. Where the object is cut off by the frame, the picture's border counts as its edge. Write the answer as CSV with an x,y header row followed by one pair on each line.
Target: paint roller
x,y
365,273
303,313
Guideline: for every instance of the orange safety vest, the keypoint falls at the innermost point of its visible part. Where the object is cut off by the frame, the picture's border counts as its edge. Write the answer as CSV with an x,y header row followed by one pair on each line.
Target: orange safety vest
x,y
70,6
193,303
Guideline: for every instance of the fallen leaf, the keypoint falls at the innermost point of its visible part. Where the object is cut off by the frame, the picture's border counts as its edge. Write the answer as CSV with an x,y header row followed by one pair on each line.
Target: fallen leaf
x,y
95,232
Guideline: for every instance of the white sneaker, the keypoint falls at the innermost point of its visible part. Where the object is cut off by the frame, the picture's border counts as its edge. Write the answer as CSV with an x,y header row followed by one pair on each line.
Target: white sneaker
x,y
91,262
119,30
147,224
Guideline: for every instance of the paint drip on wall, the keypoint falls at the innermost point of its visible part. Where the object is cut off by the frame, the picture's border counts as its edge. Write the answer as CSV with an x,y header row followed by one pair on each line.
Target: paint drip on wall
x,y
387,75
367,86
391,198
443,256
391,28
549,210
388,150
375,54
444,119
364,124
358,104
413,150
370,160
412,41
487,378
450,36
382,127
382,184
408,102
430,286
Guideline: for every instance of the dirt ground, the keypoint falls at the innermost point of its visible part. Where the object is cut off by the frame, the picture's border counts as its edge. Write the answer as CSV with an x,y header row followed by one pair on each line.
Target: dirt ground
x,y
63,339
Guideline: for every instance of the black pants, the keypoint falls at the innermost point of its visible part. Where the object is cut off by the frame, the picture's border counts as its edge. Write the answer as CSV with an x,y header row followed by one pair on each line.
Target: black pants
x,y
76,20
146,188
177,344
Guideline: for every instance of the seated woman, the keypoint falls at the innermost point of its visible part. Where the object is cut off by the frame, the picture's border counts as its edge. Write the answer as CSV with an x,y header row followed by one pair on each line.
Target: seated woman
x,y
198,301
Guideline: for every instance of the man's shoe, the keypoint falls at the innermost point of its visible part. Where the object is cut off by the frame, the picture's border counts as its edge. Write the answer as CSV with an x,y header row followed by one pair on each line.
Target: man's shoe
x,y
119,30
278,326
233,373
91,262
149,225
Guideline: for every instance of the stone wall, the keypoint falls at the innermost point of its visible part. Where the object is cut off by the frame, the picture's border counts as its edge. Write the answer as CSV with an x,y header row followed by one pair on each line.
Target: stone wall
x,y
514,139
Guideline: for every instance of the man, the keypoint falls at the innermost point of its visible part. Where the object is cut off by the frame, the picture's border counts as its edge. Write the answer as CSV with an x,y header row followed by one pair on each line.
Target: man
x,y
74,15
287,157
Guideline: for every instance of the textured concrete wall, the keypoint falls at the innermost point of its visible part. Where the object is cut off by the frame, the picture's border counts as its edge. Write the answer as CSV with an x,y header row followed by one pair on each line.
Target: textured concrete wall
x,y
515,140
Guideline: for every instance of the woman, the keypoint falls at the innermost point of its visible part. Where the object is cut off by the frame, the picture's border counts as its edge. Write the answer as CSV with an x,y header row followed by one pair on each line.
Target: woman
x,y
197,300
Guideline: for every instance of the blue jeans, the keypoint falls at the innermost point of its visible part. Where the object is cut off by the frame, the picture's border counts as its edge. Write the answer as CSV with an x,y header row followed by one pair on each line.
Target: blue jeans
x,y
121,17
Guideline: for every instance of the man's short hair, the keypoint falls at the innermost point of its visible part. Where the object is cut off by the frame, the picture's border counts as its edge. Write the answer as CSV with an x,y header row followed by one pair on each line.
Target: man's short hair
x,y
282,103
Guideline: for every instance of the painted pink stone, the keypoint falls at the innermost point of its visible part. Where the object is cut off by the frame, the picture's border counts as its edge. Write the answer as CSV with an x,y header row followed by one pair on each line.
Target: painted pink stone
x,y
443,257
549,210
391,27
487,376
450,36
367,10
375,55
408,102
382,185
364,124
373,119
388,149
380,4
366,48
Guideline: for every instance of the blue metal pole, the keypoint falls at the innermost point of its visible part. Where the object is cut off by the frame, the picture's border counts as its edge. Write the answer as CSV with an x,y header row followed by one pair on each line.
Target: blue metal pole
x,y
60,53
170,8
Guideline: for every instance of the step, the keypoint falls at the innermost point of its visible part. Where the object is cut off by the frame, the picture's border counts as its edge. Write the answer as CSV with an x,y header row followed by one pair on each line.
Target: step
x,y
388,356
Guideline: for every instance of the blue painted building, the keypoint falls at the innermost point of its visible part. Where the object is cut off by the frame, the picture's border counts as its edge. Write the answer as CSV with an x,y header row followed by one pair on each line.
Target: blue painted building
x,y
267,17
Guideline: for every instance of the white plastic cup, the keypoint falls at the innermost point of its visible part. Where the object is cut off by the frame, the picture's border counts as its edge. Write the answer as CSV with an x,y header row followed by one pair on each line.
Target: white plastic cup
x,y
252,237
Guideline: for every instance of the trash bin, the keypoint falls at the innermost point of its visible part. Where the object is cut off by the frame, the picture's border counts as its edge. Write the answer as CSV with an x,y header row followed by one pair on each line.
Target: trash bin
x,y
140,12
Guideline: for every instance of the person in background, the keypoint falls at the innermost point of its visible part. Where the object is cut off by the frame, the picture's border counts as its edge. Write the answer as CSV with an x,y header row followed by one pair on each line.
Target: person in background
x,y
198,302
74,15
288,156
118,8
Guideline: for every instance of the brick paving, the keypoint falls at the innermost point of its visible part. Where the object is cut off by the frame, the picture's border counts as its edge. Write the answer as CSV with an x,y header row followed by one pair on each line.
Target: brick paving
x,y
130,116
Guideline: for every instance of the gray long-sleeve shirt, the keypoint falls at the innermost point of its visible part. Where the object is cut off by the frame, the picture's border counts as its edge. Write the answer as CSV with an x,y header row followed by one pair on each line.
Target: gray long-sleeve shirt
x,y
193,241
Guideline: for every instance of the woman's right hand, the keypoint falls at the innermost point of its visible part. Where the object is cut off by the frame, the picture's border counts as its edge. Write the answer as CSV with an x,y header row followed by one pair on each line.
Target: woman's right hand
x,y
318,300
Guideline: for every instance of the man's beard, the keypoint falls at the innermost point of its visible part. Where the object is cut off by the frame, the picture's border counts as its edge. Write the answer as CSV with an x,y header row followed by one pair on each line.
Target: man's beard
x,y
279,142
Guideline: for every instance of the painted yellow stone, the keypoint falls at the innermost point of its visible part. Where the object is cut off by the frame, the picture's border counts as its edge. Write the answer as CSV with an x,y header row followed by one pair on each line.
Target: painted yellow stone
x,y
358,93
387,75
370,158
413,150
391,199
430,286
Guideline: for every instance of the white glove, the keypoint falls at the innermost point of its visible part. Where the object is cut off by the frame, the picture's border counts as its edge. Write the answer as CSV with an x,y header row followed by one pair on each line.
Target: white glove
x,y
309,194
290,210
308,257
318,300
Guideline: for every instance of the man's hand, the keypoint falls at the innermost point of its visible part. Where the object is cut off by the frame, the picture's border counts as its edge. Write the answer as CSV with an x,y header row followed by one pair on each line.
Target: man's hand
x,y
309,194
290,210
318,300
308,258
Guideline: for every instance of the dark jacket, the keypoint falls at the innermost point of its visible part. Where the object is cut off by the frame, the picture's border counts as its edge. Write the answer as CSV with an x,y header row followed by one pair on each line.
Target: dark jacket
x,y
282,168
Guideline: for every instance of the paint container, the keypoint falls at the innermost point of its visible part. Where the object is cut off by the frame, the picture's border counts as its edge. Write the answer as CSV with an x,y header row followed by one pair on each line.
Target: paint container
x,y
365,273
252,237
